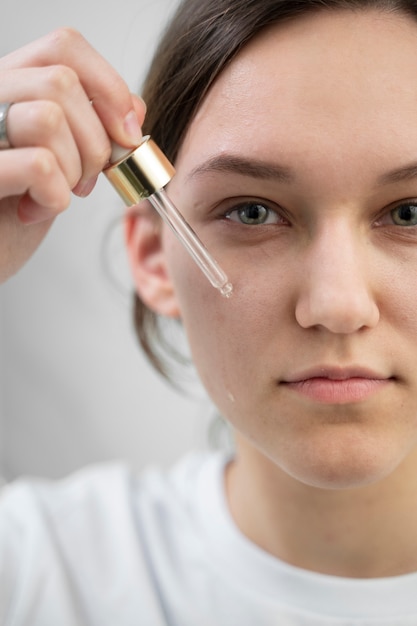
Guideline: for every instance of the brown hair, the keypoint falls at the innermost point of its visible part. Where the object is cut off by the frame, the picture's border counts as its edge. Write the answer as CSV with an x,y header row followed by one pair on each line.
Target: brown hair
x,y
202,38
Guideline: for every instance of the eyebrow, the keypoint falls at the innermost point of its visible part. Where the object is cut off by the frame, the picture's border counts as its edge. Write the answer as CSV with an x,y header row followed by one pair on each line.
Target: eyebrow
x,y
229,163
404,173
233,164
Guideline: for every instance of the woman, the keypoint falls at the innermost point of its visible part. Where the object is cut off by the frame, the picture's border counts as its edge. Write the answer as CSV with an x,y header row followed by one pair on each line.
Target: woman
x,y
291,125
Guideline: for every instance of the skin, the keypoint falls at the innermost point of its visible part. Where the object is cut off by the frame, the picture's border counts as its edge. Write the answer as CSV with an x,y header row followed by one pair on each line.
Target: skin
x,y
68,103
326,482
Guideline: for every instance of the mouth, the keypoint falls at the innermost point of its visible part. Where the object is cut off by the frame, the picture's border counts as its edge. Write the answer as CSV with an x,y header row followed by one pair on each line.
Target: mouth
x,y
335,385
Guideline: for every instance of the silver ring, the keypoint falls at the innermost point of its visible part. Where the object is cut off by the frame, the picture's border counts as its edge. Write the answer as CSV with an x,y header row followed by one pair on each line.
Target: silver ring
x,y
4,140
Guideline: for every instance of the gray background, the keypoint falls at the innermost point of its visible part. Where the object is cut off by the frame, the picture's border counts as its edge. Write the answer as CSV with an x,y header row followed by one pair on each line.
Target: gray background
x,y
74,386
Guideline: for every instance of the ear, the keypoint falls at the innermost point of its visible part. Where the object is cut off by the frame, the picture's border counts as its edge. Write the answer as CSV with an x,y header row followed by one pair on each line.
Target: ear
x,y
143,232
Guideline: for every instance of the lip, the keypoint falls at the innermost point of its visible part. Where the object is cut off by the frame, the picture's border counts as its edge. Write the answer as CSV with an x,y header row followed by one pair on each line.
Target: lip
x,y
337,385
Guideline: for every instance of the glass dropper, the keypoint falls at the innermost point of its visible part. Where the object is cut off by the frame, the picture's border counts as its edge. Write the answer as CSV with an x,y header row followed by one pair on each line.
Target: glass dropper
x,y
142,174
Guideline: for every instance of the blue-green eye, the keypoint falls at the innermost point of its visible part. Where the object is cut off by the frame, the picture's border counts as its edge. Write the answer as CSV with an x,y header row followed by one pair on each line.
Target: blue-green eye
x,y
253,214
405,214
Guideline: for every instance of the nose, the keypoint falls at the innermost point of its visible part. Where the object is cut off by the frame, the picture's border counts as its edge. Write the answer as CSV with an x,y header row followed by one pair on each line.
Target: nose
x,y
335,289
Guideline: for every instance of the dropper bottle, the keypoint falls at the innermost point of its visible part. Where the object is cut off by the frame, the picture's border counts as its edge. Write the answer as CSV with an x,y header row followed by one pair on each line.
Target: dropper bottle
x,y
142,174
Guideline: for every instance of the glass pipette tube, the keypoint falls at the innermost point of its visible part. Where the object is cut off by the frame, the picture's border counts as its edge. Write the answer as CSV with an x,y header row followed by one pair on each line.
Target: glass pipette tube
x,y
142,174
170,214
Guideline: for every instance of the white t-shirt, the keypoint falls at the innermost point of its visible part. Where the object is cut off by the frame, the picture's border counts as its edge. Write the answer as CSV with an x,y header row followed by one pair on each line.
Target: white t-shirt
x,y
107,547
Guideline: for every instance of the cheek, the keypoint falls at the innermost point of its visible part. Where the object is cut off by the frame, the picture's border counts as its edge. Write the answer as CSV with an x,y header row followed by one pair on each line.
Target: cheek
x,y
236,342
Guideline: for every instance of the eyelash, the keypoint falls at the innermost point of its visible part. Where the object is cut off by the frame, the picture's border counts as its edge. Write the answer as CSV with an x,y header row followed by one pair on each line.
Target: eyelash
x,y
411,208
268,217
271,216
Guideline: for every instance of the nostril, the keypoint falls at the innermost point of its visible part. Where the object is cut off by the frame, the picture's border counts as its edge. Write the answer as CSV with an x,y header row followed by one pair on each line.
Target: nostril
x,y
340,313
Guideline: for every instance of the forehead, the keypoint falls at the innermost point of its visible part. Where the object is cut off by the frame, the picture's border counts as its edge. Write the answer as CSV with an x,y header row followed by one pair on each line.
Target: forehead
x,y
332,74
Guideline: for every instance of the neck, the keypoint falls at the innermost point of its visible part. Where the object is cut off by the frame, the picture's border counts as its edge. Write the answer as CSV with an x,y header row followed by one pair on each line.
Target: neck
x,y
361,532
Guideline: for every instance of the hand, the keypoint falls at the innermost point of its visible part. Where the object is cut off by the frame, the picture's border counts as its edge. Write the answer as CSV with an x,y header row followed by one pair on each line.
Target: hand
x,y
68,102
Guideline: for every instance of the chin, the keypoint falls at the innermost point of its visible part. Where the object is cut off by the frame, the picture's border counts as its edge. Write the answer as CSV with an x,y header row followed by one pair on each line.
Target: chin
x,y
344,464
331,477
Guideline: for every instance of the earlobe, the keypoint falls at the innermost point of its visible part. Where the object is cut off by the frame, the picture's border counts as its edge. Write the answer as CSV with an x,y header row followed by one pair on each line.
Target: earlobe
x,y
147,261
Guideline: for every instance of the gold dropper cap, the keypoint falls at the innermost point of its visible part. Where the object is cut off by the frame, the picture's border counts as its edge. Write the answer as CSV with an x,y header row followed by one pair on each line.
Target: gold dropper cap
x,y
140,173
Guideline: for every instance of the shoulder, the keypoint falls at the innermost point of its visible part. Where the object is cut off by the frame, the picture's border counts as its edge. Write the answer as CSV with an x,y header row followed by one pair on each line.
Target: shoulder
x,y
105,507
98,493
29,505
104,527
173,498
45,522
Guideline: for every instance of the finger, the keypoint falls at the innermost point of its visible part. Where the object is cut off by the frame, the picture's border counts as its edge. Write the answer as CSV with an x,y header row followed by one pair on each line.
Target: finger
x,y
104,87
34,172
139,106
31,212
61,85
43,124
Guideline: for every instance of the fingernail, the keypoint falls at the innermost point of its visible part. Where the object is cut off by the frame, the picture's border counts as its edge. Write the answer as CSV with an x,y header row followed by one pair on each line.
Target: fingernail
x,y
132,128
84,188
142,102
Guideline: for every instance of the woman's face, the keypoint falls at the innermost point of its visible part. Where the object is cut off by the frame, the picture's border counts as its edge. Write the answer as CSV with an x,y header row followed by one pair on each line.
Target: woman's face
x,y
299,172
